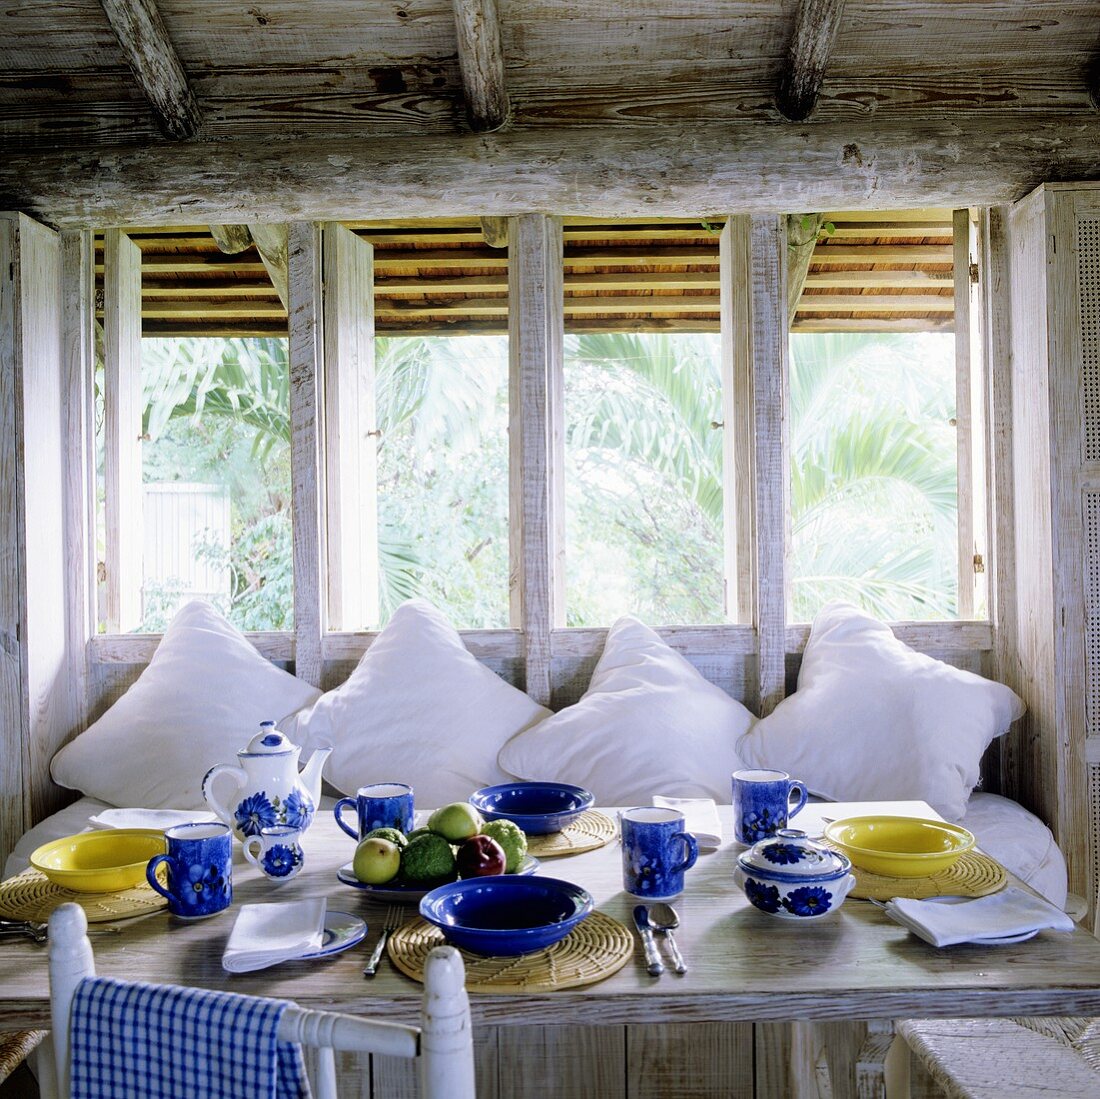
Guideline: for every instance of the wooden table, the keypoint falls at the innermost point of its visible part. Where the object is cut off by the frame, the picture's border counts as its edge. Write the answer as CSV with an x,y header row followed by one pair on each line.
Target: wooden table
x,y
745,967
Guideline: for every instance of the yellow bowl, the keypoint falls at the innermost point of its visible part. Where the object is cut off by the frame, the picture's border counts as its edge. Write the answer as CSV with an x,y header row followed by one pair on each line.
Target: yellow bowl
x,y
899,847
99,862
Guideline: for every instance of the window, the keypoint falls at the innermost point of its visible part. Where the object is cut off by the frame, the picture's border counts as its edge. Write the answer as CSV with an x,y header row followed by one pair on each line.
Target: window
x,y
643,478
443,475
873,497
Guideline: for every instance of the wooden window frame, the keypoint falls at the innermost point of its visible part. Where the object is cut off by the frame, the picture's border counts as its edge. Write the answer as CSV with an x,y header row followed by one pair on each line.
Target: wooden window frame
x,y
538,651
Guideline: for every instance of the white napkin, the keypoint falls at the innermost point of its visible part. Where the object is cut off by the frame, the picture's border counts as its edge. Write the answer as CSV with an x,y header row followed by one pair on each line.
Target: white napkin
x,y
267,934
700,817
156,819
984,919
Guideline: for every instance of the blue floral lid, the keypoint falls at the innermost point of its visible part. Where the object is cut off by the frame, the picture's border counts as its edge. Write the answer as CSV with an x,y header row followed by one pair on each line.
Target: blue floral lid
x,y
790,854
267,742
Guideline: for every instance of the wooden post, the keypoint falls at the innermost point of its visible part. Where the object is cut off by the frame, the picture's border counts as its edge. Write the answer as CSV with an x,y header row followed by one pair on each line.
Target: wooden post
x,y
481,60
306,404
816,25
754,313
122,431
156,66
960,226
351,431
535,325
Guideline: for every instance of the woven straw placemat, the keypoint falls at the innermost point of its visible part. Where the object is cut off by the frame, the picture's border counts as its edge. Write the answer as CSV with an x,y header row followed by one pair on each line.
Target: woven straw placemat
x,y
974,875
596,948
590,830
32,896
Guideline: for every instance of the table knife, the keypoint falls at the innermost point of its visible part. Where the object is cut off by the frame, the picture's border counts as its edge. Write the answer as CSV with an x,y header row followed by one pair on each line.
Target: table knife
x,y
653,959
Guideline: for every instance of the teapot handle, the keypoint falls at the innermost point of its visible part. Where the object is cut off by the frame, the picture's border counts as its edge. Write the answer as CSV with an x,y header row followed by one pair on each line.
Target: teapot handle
x,y
208,789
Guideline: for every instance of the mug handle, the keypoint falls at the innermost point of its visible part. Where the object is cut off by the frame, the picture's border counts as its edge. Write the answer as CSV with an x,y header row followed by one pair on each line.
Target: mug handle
x,y
800,790
151,874
247,848
338,808
691,846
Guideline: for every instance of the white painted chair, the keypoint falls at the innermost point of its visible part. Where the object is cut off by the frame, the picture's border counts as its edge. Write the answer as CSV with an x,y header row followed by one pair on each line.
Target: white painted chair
x,y
443,1043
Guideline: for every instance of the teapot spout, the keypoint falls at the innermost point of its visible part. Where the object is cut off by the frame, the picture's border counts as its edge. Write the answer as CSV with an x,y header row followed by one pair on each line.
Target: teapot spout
x,y
310,775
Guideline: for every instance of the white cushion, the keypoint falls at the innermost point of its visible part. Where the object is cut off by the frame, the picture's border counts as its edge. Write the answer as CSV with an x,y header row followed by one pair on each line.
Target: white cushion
x,y
648,724
872,719
419,709
198,703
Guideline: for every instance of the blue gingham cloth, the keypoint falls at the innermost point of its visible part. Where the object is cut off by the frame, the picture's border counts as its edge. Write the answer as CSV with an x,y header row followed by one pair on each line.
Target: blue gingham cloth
x,y
141,1041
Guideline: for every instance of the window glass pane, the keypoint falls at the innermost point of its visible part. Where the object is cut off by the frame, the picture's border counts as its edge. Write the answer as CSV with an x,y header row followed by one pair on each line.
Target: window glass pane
x,y
874,507
643,478
216,480
443,475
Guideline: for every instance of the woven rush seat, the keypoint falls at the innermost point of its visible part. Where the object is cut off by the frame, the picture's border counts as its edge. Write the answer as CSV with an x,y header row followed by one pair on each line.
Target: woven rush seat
x,y
14,1047
993,1058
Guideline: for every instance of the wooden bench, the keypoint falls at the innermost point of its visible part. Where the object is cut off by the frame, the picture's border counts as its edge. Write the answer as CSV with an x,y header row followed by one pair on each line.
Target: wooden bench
x,y
994,1058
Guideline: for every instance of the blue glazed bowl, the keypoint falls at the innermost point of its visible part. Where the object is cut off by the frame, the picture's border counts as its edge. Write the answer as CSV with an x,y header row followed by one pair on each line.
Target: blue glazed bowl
x,y
537,807
505,914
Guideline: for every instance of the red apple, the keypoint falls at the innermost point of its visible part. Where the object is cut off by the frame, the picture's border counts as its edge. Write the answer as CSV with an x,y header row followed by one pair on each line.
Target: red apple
x,y
478,856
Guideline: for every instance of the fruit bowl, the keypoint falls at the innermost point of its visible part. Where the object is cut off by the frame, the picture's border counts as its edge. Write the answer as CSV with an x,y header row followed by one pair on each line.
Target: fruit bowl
x,y
899,847
99,862
506,915
537,807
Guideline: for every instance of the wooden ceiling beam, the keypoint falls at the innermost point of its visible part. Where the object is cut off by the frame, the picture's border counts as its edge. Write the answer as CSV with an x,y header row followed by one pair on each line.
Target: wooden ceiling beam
x,y
816,25
481,61
156,66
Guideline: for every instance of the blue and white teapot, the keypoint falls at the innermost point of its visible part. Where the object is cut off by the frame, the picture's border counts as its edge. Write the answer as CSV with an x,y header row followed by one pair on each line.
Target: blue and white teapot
x,y
270,789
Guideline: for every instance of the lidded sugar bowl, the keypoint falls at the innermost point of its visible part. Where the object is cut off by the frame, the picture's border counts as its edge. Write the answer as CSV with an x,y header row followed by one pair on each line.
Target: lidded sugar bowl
x,y
792,877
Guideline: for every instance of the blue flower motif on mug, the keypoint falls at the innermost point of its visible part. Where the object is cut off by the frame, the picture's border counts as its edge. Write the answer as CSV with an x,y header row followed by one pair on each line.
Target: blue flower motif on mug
x,y
810,900
281,860
784,854
205,883
298,810
764,897
254,813
759,825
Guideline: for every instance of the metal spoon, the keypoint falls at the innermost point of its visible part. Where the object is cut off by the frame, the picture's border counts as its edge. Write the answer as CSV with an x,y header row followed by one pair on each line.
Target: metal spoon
x,y
663,917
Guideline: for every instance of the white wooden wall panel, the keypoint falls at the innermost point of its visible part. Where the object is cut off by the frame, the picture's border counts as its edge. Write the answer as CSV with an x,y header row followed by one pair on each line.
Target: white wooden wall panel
x,y
351,437
37,686
122,430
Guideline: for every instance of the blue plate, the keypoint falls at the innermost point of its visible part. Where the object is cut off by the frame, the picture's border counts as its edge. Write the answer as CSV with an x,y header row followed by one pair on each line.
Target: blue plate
x,y
507,914
537,807
342,930
397,892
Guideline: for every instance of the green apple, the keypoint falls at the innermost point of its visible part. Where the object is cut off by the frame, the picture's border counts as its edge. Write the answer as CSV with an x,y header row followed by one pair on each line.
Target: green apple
x,y
376,861
456,822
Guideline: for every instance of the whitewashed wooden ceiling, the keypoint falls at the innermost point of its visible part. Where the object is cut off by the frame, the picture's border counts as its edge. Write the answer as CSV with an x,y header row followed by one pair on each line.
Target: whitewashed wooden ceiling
x,y
343,108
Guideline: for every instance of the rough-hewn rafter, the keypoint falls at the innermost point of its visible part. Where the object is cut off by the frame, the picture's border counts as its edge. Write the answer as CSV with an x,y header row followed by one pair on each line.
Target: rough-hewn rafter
x,y
231,239
495,231
815,31
481,59
156,65
614,172
802,232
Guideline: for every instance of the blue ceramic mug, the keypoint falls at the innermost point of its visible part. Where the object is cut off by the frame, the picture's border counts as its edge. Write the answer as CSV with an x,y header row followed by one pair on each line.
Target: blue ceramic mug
x,y
200,869
382,805
656,852
762,803
277,851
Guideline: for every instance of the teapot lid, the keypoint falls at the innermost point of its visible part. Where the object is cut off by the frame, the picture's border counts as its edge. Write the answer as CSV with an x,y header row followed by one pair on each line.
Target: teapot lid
x,y
790,854
267,742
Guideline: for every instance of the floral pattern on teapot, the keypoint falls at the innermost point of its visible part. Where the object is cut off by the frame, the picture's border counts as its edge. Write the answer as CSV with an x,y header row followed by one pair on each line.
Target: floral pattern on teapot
x,y
259,811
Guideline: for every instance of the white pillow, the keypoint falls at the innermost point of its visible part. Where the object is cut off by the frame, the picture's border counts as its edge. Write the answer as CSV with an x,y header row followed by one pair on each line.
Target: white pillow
x,y
648,724
874,720
419,709
198,703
